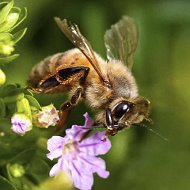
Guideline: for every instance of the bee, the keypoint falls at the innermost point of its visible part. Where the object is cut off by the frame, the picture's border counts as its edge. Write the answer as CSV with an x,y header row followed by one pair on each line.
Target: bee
x,y
107,86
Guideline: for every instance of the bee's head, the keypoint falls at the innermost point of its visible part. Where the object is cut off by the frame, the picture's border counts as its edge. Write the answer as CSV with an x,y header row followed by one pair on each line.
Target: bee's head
x,y
125,113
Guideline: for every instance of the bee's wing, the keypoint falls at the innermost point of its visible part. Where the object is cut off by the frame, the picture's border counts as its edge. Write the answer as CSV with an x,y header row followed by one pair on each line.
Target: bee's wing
x,y
121,41
72,32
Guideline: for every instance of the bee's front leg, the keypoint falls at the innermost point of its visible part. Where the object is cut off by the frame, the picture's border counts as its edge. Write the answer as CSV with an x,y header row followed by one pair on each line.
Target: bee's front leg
x,y
67,107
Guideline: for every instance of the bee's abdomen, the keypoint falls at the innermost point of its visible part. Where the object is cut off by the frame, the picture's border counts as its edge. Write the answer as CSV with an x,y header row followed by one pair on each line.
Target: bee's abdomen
x,y
54,63
43,69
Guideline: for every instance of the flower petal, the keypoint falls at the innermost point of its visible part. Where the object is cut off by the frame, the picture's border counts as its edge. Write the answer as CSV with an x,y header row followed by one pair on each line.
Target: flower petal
x,y
55,145
20,123
77,131
56,168
88,121
94,145
78,158
96,165
60,166
81,180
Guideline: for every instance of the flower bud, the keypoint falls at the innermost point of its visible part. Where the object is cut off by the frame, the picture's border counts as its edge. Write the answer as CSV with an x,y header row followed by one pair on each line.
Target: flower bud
x,y
2,77
6,48
47,117
20,123
23,106
16,170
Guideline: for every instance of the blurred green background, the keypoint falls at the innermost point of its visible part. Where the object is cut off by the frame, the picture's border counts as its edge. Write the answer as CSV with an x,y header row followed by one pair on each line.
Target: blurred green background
x,y
138,159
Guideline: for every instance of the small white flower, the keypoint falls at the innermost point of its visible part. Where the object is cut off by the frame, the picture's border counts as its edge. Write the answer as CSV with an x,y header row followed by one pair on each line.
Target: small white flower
x,y
47,117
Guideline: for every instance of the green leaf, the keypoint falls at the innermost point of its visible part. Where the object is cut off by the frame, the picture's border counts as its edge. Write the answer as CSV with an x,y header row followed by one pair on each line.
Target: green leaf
x,y
28,92
13,19
18,35
7,90
13,98
8,59
5,36
11,90
6,185
33,102
25,157
5,10
10,21
39,170
22,16
2,108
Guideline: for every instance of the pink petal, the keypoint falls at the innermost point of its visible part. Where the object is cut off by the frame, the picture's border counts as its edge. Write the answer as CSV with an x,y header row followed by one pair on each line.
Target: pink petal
x,y
81,180
88,121
54,154
55,145
77,131
60,166
94,145
56,168
96,165
55,142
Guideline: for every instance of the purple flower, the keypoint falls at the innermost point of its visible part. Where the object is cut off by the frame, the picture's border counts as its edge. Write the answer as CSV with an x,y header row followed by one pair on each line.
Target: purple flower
x,y
20,123
78,158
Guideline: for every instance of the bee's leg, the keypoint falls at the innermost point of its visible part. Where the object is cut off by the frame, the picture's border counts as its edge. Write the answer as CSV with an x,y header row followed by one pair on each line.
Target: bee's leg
x,y
67,107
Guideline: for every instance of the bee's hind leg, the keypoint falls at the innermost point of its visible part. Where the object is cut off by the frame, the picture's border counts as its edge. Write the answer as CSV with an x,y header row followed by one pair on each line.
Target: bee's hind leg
x,y
67,107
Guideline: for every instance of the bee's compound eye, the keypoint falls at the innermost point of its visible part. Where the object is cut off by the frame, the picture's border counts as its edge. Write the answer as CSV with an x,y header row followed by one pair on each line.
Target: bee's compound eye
x,y
50,82
121,109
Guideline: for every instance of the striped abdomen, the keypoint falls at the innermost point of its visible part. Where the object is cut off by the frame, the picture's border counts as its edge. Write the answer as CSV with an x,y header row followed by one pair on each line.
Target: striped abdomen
x,y
53,64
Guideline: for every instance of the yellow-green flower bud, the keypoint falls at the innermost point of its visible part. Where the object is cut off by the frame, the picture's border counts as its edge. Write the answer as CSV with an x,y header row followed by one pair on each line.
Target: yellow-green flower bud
x,y
23,106
2,77
6,48
16,170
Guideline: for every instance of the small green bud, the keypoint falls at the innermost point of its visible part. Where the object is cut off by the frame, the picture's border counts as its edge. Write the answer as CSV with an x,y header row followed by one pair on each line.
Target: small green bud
x,y
16,170
6,48
2,77
23,106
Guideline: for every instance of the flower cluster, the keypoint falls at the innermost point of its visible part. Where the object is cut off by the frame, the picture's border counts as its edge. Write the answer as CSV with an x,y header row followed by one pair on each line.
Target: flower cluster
x,y
77,156
77,153
22,122
10,18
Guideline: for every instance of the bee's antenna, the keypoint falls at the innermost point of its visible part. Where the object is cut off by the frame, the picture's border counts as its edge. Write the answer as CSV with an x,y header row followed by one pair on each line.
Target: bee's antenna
x,y
151,130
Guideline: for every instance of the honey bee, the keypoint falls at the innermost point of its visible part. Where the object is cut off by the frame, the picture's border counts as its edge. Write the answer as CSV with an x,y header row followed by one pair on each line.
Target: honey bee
x,y
107,86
